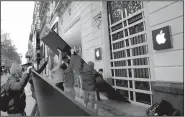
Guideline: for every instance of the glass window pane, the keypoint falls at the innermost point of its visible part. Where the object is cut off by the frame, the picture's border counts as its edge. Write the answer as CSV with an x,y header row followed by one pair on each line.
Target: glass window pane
x,y
122,83
131,96
130,84
142,85
143,98
123,93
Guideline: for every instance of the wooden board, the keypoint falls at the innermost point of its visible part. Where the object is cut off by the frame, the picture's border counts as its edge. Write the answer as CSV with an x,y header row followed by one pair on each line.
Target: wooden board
x,y
54,102
53,41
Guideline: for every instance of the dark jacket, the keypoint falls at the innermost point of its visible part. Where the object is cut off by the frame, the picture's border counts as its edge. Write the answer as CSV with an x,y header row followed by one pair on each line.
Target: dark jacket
x,y
68,74
99,79
88,78
15,90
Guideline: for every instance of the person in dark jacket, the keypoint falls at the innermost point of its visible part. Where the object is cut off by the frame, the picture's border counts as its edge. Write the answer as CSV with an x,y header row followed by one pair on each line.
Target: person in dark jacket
x,y
15,89
89,75
35,110
99,81
68,75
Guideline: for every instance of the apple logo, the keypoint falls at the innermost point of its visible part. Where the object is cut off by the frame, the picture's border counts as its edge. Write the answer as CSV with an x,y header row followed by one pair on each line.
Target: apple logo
x,y
160,38
97,53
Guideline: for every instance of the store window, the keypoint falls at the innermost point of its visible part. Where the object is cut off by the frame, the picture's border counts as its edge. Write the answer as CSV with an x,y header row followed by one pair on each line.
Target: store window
x,y
129,51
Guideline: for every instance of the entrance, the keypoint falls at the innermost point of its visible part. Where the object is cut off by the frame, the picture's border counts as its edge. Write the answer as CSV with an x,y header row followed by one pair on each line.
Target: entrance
x,y
129,51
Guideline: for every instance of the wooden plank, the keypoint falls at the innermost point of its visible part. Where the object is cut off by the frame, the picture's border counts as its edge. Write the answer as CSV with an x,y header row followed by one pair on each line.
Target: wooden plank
x,y
53,40
54,102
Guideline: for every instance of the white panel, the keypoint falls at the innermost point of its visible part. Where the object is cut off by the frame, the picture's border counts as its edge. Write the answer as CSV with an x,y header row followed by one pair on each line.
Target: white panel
x,y
156,5
163,15
174,74
88,58
176,25
89,51
86,18
87,31
97,34
73,35
78,7
86,11
87,38
93,43
98,65
86,24
173,58
96,8
177,43
84,7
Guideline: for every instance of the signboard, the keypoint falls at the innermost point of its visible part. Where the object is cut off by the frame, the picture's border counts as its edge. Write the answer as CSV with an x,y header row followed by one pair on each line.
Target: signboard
x,y
161,38
98,54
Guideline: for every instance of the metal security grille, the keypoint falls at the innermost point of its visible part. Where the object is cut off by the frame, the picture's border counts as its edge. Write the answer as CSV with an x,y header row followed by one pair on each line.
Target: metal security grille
x,y
129,51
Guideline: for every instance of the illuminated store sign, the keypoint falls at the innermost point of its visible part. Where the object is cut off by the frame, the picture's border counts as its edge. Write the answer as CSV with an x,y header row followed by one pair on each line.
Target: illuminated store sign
x,y
161,38
98,54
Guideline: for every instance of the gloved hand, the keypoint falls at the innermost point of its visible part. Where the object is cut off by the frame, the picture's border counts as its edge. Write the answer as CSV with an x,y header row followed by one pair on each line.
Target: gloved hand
x,y
29,69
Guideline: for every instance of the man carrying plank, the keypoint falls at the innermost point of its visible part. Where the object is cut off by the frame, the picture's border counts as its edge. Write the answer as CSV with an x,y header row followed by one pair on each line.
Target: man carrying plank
x,y
66,64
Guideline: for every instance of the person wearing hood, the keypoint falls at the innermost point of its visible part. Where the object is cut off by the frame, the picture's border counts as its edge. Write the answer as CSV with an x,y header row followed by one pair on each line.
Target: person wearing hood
x,y
68,75
15,89
89,75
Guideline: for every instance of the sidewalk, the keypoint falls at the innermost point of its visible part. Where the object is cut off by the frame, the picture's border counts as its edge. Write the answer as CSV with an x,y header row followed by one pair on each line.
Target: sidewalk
x,y
115,108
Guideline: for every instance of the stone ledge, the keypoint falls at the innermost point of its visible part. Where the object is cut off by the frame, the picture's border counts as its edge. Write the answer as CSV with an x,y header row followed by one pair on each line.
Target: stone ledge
x,y
168,87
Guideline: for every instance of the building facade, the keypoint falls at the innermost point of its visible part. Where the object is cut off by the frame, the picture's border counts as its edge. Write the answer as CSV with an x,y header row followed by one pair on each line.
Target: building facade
x,y
118,36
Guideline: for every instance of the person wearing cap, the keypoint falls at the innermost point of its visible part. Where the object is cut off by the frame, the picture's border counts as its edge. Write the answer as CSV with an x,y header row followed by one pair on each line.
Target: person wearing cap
x,y
15,88
89,75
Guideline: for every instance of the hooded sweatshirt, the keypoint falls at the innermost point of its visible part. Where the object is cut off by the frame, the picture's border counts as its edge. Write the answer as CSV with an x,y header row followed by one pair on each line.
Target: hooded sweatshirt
x,y
68,75
15,88
89,75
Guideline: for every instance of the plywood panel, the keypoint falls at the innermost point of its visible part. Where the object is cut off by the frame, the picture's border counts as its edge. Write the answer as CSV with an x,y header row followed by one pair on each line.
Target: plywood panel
x,y
169,13
174,74
54,102
156,5
173,58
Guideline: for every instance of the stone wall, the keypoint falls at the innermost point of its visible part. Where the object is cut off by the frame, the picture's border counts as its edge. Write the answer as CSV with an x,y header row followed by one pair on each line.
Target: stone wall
x,y
91,34
167,64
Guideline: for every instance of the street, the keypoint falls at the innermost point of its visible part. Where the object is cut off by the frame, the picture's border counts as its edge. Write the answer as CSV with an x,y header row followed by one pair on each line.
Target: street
x,y
29,100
